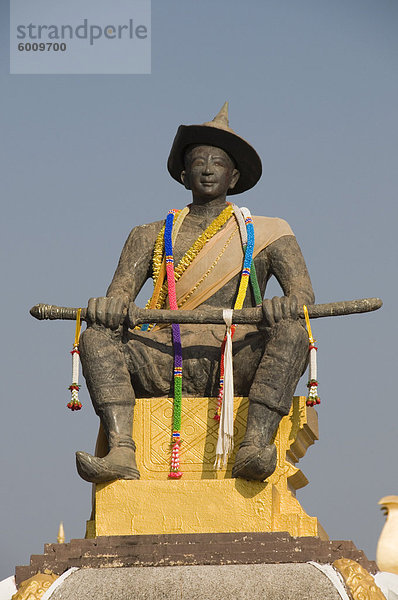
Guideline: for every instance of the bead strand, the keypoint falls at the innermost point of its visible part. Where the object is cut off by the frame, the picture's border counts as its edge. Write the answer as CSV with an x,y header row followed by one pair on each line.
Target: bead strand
x,y
175,472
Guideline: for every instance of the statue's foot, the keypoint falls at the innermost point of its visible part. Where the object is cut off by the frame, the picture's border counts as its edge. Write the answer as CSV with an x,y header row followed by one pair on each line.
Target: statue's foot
x,y
118,464
256,463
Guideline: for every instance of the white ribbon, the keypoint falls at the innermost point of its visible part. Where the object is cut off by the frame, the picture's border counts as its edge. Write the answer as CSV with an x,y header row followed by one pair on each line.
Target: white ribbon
x,y
225,442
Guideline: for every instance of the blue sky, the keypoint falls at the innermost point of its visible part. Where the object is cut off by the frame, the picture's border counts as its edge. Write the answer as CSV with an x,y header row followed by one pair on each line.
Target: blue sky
x,y
313,85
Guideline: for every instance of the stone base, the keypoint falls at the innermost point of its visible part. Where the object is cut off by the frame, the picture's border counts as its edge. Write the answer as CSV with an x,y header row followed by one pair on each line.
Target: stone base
x,y
205,500
198,506
195,549
200,582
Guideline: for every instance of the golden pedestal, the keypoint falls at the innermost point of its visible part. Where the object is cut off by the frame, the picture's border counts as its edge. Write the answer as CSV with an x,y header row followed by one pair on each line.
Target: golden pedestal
x,y
205,500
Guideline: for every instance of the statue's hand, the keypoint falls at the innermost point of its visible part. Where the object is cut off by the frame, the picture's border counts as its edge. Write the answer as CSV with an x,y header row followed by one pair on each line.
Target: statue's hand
x,y
108,311
279,308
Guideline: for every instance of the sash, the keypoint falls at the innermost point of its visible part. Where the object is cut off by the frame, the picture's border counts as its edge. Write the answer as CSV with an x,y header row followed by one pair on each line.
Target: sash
x,y
222,258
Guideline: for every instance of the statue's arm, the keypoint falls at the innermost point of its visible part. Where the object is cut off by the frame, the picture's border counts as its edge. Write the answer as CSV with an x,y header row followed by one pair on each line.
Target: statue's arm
x,y
133,269
135,263
287,264
285,261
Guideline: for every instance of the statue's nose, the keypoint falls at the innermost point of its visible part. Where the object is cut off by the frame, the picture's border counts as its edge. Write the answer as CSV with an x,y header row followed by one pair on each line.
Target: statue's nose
x,y
207,170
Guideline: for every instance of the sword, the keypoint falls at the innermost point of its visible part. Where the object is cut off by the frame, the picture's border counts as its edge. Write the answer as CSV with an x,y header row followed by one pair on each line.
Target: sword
x,y
208,315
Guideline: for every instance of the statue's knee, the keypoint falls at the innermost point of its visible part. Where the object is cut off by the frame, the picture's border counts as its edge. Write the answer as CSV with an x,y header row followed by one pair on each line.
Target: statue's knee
x,y
292,333
298,345
298,342
96,342
287,351
90,339
300,335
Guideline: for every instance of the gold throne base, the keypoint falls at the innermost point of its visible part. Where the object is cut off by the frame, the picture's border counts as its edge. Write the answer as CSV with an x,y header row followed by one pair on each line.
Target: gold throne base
x,y
204,500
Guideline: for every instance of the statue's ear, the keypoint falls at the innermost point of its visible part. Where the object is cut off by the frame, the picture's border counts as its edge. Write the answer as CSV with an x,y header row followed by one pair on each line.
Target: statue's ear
x,y
184,179
234,179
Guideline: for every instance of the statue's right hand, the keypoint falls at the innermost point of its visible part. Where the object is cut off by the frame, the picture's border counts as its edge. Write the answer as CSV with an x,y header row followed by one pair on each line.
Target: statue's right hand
x,y
108,311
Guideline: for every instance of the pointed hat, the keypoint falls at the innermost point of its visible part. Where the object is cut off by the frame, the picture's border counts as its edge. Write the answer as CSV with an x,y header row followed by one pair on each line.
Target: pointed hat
x,y
217,133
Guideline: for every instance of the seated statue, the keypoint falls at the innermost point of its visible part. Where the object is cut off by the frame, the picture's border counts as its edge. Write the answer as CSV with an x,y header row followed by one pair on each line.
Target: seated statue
x,y
119,363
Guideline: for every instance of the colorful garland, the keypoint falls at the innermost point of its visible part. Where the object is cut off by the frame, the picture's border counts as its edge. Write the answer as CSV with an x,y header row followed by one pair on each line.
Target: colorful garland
x,y
240,215
244,281
175,472
159,264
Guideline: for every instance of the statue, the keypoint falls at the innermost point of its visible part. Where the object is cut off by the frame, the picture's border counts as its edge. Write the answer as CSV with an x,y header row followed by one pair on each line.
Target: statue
x,y
201,259
211,161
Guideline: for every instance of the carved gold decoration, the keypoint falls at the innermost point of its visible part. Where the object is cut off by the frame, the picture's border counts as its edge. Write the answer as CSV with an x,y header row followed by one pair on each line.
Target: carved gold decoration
x,y
199,432
205,500
360,583
34,587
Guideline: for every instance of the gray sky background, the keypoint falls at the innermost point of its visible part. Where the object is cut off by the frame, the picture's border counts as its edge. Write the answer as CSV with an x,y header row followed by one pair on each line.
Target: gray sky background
x,y
313,85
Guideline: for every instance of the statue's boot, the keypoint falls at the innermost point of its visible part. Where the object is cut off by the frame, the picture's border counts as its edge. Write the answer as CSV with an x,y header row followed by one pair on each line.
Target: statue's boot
x,y
256,457
119,463
117,420
108,381
270,398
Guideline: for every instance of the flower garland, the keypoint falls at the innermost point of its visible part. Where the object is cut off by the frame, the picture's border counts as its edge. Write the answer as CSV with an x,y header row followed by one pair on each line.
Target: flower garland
x,y
312,384
175,472
240,215
75,403
159,264
258,298
159,261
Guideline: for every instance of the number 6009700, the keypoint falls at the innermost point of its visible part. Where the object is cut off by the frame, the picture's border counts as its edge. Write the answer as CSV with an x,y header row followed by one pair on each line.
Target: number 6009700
x,y
42,46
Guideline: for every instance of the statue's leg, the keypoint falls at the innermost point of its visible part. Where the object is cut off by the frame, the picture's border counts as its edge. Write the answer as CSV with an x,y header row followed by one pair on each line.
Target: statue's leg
x,y
270,398
112,395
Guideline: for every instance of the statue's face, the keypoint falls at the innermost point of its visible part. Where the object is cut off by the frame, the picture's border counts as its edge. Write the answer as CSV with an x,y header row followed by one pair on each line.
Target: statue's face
x,y
209,172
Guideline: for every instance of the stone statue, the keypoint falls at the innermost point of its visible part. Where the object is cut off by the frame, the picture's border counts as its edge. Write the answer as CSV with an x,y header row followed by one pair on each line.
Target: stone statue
x,y
119,363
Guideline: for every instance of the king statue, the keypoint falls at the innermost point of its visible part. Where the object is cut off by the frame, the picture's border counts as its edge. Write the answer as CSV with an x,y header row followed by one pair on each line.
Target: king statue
x,y
212,247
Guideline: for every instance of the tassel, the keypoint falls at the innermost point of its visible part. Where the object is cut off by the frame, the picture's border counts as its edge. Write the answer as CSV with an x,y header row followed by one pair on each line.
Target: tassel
x,y
75,403
225,442
175,472
312,384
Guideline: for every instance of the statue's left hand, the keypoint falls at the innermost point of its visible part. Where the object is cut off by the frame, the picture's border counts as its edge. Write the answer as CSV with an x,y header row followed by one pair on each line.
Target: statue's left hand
x,y
279,308
108,311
